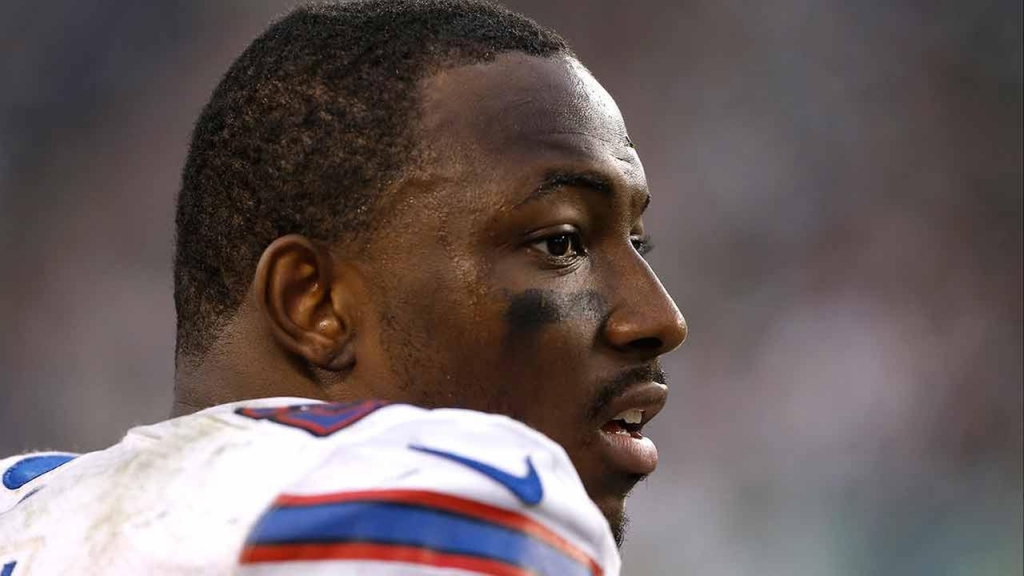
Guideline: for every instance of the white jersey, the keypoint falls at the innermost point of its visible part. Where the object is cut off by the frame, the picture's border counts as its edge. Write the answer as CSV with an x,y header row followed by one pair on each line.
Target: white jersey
x,y
292,486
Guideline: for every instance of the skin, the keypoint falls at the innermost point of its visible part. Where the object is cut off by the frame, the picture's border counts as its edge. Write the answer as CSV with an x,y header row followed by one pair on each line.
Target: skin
x,y
505,276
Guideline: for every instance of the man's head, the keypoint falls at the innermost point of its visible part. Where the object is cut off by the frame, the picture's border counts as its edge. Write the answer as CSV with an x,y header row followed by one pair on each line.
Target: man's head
x,y
430,202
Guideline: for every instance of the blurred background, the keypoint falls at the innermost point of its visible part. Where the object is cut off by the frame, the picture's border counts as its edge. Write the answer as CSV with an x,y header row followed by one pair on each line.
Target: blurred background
x,y
838,214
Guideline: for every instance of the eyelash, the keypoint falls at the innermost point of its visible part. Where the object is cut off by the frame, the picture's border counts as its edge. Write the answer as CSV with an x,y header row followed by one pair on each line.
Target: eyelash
x,y
642,245
576,248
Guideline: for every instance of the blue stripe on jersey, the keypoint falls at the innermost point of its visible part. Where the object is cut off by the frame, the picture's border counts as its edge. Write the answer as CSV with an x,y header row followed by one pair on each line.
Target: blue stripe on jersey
x,y
29,468
387,523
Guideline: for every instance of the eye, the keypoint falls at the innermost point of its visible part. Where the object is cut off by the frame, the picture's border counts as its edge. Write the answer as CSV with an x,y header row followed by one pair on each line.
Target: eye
x,y
562,245
642,244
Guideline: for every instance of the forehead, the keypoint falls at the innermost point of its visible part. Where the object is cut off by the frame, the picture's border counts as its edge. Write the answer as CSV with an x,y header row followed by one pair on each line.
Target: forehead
x,y
522,113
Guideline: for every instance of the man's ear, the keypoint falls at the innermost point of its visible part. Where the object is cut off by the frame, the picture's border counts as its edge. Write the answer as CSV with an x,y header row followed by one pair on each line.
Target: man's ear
x,y
303,304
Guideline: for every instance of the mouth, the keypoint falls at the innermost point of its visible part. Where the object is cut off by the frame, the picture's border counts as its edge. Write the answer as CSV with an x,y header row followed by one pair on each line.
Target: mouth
x,y
622,440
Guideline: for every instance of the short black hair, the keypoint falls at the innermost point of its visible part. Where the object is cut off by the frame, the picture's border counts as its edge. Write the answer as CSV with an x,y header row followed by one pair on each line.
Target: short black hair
x,y
306,129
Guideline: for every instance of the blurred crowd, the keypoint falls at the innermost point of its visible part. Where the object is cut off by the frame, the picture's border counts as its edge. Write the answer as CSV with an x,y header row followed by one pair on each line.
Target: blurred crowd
x,y
837,211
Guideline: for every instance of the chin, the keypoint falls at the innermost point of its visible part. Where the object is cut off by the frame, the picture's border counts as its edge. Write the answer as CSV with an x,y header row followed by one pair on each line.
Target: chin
x,y
614,510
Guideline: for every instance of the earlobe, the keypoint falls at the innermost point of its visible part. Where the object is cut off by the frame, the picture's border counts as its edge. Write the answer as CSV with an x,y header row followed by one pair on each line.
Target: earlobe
x,y
294,289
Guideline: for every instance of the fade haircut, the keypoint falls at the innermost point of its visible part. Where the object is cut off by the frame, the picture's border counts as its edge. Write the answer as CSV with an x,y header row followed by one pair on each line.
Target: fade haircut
x,y
307,129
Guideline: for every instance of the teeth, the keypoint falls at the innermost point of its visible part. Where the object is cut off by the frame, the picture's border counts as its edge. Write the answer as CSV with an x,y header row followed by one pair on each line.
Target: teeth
x,y
631,416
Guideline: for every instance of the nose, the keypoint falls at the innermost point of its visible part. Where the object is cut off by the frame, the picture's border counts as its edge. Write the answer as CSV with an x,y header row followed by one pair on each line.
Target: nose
x,y
646,320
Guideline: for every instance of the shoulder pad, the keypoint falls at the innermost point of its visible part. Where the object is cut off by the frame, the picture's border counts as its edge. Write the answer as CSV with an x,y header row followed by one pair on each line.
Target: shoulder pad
x,y
438,489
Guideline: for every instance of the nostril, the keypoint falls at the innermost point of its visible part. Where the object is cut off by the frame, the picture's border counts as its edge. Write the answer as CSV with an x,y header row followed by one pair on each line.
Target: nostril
x,y
649,343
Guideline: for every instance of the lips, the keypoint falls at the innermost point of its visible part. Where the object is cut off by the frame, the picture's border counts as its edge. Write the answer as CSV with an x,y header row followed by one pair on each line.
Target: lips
x,y
621,435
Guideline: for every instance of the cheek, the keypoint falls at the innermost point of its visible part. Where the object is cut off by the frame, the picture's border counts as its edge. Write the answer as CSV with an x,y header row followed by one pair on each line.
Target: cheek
x,y
534,311
444,337
547,343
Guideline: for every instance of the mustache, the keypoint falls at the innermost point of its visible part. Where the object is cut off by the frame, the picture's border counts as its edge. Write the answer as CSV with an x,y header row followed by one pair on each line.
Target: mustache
x,y
622,382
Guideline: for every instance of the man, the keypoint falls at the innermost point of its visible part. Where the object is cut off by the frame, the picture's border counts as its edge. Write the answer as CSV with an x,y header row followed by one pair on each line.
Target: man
x,y
429,203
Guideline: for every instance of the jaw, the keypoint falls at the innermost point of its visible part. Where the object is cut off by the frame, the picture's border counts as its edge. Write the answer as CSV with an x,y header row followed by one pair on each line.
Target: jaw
x,y
614,510
607,487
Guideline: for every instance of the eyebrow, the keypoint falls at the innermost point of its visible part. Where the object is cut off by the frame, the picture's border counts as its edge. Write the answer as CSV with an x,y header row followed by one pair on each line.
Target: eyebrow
x,y
587,180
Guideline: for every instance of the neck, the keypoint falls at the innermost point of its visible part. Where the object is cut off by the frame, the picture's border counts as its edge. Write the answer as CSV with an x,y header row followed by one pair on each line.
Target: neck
x,y
244,363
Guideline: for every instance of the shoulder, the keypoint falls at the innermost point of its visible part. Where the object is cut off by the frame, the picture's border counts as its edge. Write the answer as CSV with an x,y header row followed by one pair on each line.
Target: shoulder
x,y
424,490
231,484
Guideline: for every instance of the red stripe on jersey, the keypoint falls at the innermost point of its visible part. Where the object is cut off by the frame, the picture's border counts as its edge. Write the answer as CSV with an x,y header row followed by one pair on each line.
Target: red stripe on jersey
x,y
383,552
449,503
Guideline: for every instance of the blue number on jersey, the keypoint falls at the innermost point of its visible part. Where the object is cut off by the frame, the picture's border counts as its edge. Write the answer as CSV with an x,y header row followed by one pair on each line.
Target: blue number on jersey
x,y
8,569
31,467
317,419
